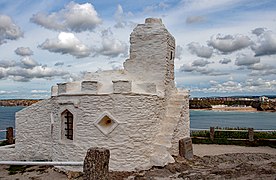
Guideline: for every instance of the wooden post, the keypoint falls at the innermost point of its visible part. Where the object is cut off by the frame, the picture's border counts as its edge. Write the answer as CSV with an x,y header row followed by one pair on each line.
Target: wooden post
x,y
9,135
212,133
96,164
251,134
186,148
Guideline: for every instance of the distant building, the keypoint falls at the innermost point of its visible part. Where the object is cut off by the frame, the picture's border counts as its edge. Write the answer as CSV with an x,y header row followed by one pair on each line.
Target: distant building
x,y
137,113
263,99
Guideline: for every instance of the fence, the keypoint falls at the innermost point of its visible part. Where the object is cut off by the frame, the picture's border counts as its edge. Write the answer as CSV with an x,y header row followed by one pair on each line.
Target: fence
x,y
9,135
250,132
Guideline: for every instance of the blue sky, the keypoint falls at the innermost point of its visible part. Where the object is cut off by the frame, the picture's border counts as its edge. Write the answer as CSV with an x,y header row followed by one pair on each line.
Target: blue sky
x,y
224,47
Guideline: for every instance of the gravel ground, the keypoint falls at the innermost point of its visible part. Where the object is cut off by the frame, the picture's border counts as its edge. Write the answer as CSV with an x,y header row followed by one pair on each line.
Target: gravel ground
x,y
214,149
209,162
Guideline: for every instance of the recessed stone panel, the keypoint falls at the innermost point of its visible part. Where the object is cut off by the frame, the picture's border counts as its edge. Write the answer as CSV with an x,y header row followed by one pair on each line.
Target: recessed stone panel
x,y
90,86
106,123
122,86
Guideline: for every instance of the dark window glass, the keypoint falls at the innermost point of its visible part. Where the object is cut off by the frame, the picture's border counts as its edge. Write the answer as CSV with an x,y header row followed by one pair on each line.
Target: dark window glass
x,y
68,125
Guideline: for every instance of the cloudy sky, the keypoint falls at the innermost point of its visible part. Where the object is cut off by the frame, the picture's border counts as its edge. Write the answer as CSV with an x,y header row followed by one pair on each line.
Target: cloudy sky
x,y
224,47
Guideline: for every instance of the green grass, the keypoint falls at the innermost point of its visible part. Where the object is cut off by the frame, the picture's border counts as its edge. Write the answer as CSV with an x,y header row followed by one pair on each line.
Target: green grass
x,y
14,169
3,143
234,137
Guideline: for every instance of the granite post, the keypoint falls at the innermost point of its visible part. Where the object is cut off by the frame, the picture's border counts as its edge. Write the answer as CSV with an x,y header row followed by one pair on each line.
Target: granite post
x,y
212,133
9,135
96,164
251,134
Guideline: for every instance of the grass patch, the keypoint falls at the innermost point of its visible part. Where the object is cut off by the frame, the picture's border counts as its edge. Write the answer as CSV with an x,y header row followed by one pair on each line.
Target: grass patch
x,y
3,143
14,169
234,137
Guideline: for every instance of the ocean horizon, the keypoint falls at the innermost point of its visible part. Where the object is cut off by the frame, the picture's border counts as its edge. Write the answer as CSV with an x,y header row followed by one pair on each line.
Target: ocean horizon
x,y
199,119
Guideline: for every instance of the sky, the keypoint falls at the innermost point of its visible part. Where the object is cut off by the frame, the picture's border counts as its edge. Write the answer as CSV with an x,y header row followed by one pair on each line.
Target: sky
x,y
223,47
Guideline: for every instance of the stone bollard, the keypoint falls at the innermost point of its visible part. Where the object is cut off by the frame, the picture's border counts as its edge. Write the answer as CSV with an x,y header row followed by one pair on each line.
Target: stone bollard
x,y
9,135
186,148
212,133
250,134
96,163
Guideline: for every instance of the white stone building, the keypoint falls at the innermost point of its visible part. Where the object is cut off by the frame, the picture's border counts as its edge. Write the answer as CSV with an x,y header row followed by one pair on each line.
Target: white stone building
x,y
137,113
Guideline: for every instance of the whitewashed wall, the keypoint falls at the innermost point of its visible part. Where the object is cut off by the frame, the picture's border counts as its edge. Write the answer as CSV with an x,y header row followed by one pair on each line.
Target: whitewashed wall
x,y
33,132
130,143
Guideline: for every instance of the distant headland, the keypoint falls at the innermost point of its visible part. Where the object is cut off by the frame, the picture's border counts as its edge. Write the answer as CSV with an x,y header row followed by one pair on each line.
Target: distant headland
x,y
248,103
255,103
18,102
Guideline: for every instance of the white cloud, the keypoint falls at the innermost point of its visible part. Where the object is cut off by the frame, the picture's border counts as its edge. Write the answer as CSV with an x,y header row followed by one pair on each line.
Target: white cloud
x,y
246,60
66,43
23,51
74,17
249,85
187,68
22,74
190,68
122,18
110,46
225,61
28,69
260,67
200,62
179,52
258,31
7,92
156,7
28,63
266,44
200,51
229,43
8,29
35,91
194,19
59,64
120,23
6,64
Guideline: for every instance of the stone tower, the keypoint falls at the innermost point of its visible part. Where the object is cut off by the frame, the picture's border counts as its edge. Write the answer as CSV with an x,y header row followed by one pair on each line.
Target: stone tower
x,y
152,51
137,112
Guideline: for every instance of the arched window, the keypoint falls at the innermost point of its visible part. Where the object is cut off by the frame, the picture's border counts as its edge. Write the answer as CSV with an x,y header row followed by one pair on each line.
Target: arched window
x,y
68,124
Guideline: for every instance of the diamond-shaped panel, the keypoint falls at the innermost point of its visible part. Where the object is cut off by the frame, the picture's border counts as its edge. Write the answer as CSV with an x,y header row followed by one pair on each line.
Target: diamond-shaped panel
x,y
106,123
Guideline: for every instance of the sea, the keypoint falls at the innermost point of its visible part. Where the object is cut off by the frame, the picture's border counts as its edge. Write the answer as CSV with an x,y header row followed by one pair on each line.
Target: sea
x,y
199,119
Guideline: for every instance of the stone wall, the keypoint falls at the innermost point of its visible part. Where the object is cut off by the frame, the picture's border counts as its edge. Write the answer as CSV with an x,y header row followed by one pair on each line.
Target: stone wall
x,y
130,142
33,132
152,50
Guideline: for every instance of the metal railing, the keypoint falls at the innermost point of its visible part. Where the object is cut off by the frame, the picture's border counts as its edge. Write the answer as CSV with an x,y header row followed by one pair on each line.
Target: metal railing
x,y
41,163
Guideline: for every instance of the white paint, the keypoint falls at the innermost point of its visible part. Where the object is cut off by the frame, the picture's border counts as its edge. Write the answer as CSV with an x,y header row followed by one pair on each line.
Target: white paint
x,y
149,114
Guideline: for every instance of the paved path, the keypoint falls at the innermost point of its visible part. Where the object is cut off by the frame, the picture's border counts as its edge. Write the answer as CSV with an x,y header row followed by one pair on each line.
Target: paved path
x,y
214,149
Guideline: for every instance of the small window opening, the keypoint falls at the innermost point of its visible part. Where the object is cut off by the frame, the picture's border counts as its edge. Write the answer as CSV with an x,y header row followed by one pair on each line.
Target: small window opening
x,y
105,122
171,55
68,125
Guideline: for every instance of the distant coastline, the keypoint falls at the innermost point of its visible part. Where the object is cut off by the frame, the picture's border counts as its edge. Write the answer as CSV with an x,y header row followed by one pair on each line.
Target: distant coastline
x,y
234,104
18,102
244,109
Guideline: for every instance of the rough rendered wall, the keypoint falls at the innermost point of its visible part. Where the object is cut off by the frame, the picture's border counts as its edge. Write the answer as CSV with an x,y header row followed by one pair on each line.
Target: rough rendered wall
x,y
130,143
182,128
33,132
150,54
